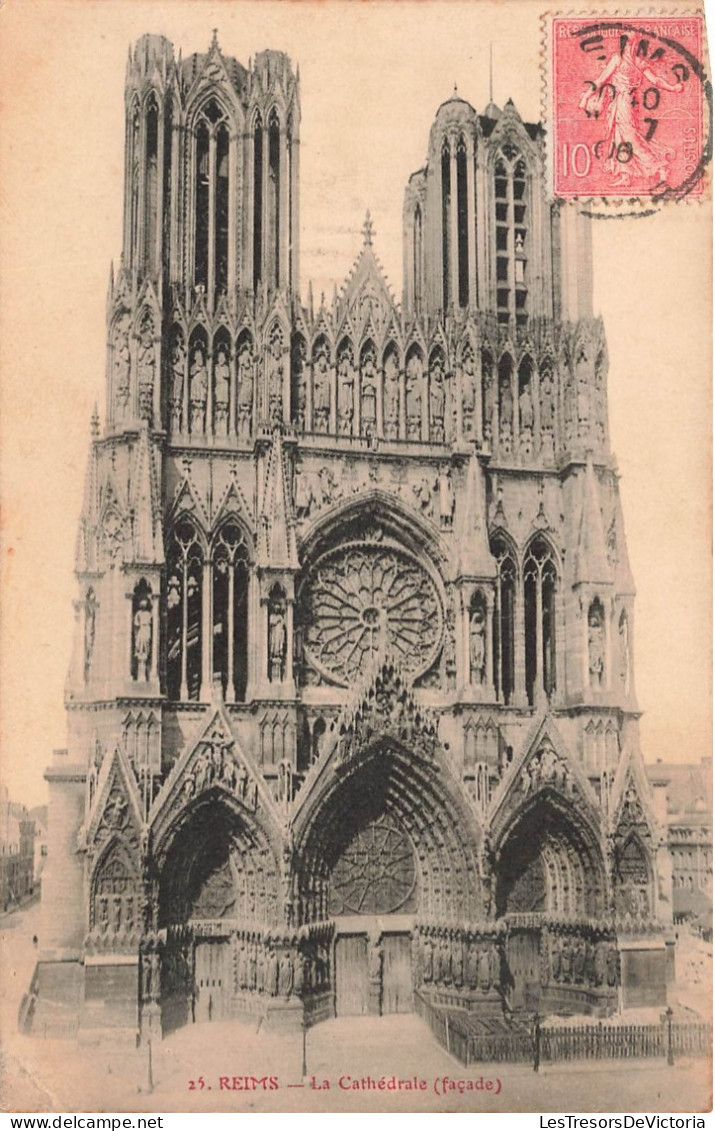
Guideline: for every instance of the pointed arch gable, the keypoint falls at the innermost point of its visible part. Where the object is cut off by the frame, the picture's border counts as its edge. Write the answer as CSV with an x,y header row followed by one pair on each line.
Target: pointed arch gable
x,y
560,776
227,776
392,764
234,508
109,818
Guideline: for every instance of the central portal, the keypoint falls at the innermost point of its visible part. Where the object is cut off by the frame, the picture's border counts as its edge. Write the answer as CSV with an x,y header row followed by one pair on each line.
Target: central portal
x,y
352,985
373,977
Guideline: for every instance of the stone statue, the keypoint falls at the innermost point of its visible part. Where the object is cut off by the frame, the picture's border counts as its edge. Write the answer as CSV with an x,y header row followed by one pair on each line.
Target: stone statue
x,y
477,646
567,960
275,377
146,362
299,406
556,959
468,394
299,979
526,417
596,655
446,499
178,365
391,397
198,389
612,965
222,378
90,625
579,961
368,395
583,393
423,494
506,412
458,962
437,400
346,382
142,638
546,405
260,970
244,395
321,392
413,397
122,365
272,974
276,644
599,975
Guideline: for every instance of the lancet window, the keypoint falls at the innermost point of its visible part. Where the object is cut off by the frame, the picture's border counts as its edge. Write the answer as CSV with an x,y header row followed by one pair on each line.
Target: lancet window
x,y
274,200
462,224
185,564
540,587
455,223
211,199
446,216
230,611
257,200
512,232
151,184
504,619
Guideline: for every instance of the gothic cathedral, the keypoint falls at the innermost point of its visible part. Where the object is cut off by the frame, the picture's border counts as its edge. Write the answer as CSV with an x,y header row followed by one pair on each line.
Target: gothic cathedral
x,y
351,709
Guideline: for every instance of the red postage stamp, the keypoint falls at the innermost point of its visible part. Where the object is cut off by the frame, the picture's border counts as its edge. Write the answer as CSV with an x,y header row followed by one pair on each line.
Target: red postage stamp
x,y
629,98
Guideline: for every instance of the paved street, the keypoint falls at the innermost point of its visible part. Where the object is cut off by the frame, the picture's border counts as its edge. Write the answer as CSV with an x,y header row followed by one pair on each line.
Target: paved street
x,y
58,1076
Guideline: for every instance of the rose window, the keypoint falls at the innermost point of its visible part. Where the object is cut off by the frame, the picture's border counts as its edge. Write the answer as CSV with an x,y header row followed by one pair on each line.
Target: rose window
x,y
366,602
376,873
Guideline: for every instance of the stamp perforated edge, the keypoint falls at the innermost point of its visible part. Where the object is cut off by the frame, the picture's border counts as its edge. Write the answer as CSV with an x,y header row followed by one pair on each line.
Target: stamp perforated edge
x,y
603,207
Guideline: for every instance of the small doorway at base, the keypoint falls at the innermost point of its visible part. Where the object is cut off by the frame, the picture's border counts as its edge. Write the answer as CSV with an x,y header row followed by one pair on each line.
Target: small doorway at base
x,y
352,988
211,980
396,974
523,958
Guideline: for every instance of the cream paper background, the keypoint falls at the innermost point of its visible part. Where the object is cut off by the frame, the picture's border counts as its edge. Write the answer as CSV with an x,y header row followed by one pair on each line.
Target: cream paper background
x,y
373,75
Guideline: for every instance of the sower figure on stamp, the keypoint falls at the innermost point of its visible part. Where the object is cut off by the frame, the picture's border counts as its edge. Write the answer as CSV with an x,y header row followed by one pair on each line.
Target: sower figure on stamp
x,y
630,151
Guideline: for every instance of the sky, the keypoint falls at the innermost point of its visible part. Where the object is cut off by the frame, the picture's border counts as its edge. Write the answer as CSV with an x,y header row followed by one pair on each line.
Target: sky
x,y
372,77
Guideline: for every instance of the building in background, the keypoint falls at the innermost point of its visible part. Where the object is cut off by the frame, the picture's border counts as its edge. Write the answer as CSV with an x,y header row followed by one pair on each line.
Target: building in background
x,y
351,708
17,837
687,812
39,817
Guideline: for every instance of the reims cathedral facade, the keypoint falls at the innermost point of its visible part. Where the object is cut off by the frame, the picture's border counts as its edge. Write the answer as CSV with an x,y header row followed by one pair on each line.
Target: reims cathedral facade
x,y
351,709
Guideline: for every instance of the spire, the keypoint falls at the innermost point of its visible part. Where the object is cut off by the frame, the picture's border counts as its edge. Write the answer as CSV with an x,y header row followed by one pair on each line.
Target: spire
x,y
94,424
591,558
475,559
145,504
491,73
368,228
311,305
277,546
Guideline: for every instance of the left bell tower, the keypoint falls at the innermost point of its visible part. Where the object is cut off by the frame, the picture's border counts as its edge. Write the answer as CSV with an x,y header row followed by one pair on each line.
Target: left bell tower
x,y
198,357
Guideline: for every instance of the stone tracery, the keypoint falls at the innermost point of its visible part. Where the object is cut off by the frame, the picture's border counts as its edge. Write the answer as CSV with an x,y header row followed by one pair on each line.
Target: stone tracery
x,y
363,602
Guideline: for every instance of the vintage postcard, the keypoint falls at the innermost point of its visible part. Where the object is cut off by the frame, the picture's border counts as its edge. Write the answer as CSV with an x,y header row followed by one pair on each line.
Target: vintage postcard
x,y
356,592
